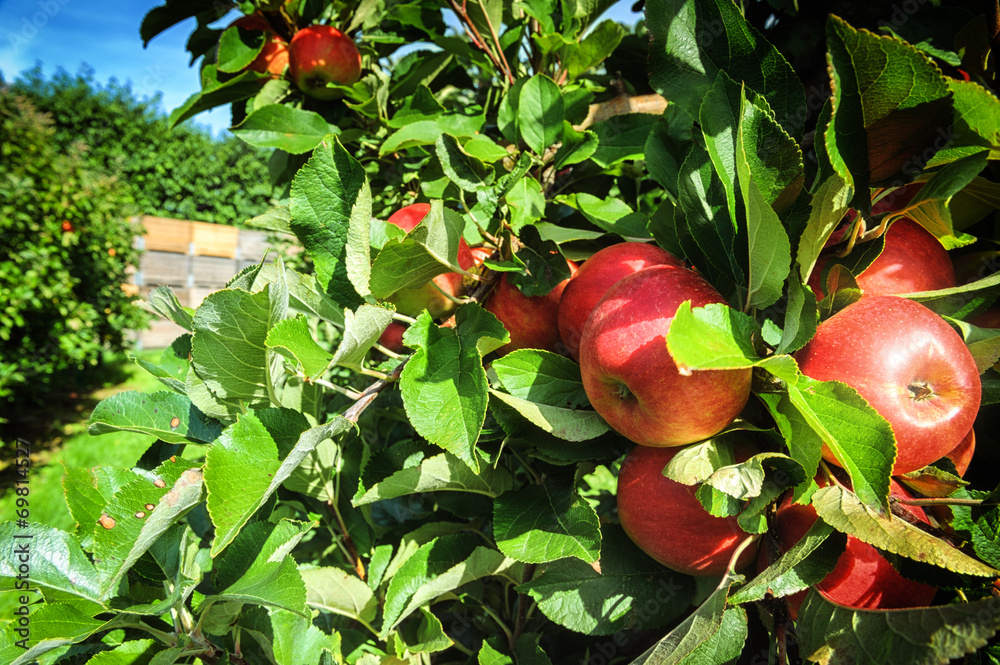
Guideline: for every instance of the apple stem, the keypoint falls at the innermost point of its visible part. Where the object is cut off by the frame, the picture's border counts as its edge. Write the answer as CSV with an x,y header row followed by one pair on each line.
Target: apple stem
x,y
409,320
731,566
856,230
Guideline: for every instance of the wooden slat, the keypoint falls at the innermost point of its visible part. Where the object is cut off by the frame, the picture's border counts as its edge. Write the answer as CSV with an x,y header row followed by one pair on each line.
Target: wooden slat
x,y
167,235
212,271
164,268
215,240
253,244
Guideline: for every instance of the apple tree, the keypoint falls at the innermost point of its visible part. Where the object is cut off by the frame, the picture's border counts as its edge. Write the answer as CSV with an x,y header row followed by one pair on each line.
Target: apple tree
x,y
379,459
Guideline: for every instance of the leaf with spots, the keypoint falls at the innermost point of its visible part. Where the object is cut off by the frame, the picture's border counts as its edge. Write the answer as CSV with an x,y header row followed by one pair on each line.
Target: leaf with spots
x,y
166,415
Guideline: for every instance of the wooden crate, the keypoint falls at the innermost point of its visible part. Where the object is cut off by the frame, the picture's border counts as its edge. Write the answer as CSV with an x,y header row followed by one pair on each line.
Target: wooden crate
x,y
159,267
211,271
215,240
253,245
167,235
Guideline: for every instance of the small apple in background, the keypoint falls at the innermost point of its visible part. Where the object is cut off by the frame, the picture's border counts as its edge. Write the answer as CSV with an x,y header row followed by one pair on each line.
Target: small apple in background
x,y
913,260
862,578
961,455
392,337
628,373
532,321
412,301
910,366
595,277
321,54
667,522
988,319
273,57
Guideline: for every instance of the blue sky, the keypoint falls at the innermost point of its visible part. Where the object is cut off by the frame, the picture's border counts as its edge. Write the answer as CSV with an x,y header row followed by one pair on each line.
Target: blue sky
x,y
104,34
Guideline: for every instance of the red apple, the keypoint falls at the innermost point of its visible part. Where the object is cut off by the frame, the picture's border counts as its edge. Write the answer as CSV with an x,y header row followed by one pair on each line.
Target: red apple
x,y
595,277
273,57
392,337
412,301
988,319
532,321
862,578
910,366
321,54
628,373
962,453
667,522
912,260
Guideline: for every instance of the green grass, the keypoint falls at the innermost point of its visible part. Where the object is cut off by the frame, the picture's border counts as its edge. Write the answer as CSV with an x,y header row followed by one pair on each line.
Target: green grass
x,y
69,445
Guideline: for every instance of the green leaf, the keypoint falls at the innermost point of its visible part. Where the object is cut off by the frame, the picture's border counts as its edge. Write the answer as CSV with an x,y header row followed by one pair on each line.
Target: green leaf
x,y
594,48
136,526
243,468
440,566
830,203
428,250
569,424
87,491
977,123
335,590
667,147
801,318
930,207
806,563
228,350
889,102
983,343
284,127
726,644
404,469
576,146
859,436
843,511
468,172
541,376
711,337
540,113
133,652
166,415
331,206
238,47
696,630
162,301
979,525
361,330
426,132
841,636
217,90
631,591
483,147
292,339
622,137
258,568
297,640
172,372
444,384
963,301
544,265
51,626
693,40
702,198
542,523
526,203
57,561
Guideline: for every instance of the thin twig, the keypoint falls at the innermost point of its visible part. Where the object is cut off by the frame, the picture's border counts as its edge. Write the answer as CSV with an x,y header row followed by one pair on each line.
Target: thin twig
x,y
522,608
371,392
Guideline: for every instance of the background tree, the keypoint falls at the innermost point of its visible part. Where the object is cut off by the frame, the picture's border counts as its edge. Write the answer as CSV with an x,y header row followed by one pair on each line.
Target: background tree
x,y
182,172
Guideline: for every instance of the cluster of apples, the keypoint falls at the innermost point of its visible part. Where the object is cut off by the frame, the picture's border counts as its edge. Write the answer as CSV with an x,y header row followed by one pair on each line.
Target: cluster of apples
x,y
907,363
316,55
612,316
